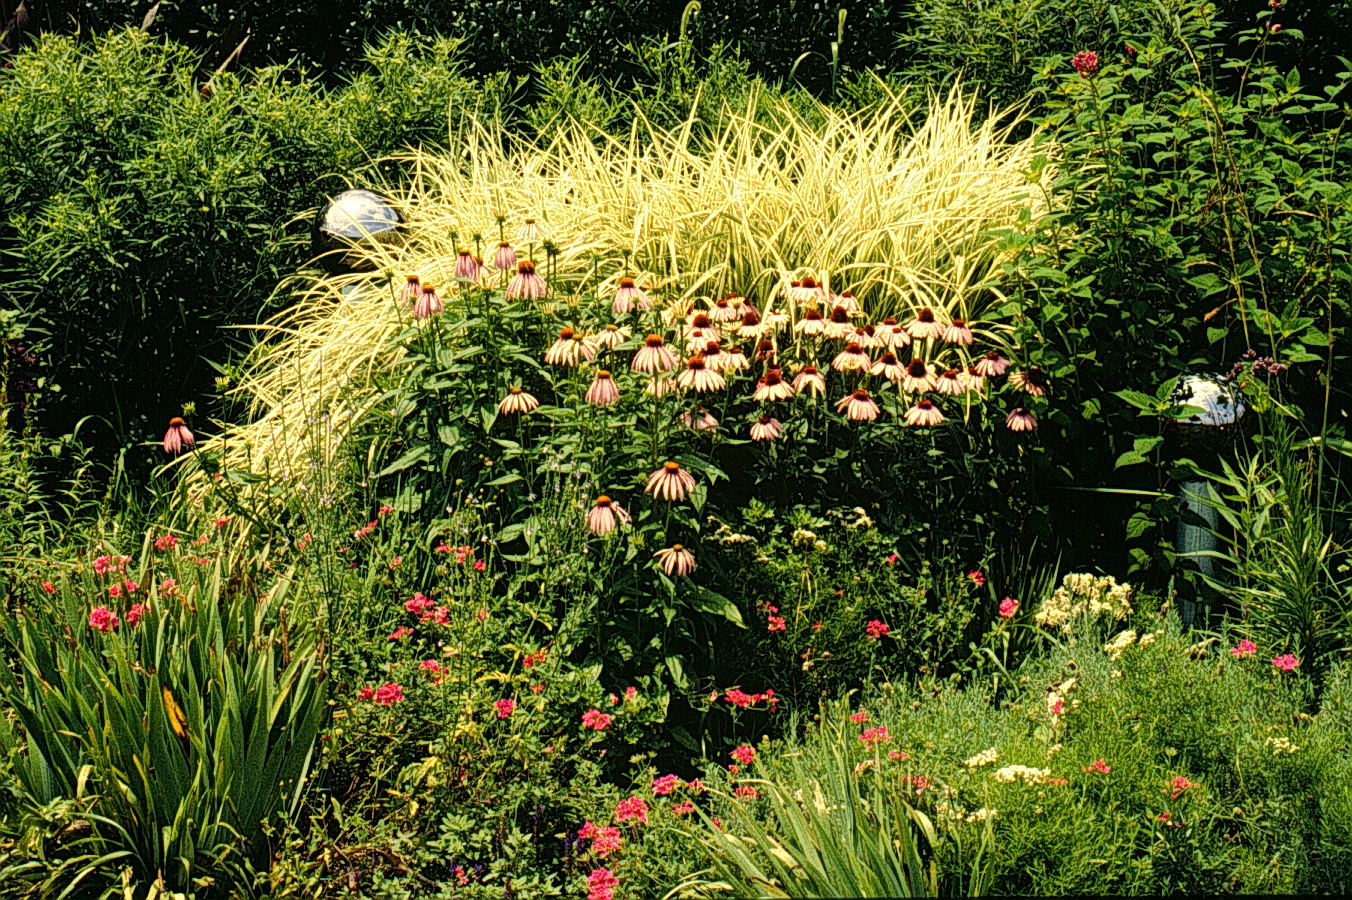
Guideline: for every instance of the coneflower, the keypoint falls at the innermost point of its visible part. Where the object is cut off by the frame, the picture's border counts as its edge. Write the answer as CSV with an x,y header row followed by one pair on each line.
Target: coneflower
x,y
958,333
605,516
670,482
177,437
810,382
772,387
992,365
517,401
1021,419
569,349
676,561
851,359
811,323
740,304
698,377
714,358
858,406
973,380
409,292
723,311
530,233
660,386
610,337
701,329
808,291
751,326
893,336
777,319
766,429
918,378
429,303
924,326
925,414
505,258
1033,382
699,420
736,360
765,351
889,367
839,325
628,297
867,337
603,390
654,356
848,301
526,285
465,266
950,382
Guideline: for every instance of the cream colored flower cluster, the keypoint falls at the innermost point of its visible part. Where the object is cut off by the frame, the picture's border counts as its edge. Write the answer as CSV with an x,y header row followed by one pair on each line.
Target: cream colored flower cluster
x,y
1115,647
984,758
1025,773
1082,595
1281,745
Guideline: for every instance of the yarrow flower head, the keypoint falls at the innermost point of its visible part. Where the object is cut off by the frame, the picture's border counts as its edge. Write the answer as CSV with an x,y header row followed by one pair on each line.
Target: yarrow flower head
x,y
1085,62
873,736
666,784
601,884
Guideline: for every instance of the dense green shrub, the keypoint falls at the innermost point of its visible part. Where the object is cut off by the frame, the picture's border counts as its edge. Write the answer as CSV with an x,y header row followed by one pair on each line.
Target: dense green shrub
x,y
148,210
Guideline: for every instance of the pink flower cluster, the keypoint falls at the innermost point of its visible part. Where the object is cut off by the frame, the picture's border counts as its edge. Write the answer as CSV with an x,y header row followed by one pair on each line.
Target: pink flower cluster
x,y
601,884
595,720
632,807
102,619
861,716
1097,767
741,699
136,613
533,659
745,754
745,792
1287,662
874,736
666,784
1245,648
1008,607
166,542
1085,62
877,629
605,841
978,577
427,611
386,695
506,706
106,564
1178,786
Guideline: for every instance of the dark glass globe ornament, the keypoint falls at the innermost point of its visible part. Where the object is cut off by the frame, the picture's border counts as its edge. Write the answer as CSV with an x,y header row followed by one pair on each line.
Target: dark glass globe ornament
x,y
351,220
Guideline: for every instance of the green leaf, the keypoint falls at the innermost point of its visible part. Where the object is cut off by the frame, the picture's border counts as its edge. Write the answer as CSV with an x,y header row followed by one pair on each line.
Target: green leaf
x,y
416,455
711,602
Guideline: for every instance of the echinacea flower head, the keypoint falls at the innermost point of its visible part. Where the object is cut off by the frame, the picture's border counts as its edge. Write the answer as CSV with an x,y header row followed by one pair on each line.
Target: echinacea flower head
x,y
858,406
526,284
670,482
811,323
654,357
409,292
851,359
466,267
428,304
973,380
809,381
605,516
103,619
924,325
772,387
736,360
751,326
724,311
918,377
1085,62
766,429
517,401
1020,419
660,386
889,367
698,377
569,349
950,382
603,390
609,337
992,365
1033,382
530,233
850,303
777,319
699,420
504,258
676,561
958,333
714,357
891,335
866,337
628,297
807,291
838,324
765,351
924,415
177,437
701,329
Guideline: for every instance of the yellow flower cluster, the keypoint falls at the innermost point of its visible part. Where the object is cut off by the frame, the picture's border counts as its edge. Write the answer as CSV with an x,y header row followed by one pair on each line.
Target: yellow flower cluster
x,y
1115,647
984,758
1025,773
1084,596
1281,745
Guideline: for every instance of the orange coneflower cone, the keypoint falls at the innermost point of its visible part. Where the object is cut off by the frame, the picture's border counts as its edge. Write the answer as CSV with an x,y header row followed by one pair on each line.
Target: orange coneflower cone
x,y
605,516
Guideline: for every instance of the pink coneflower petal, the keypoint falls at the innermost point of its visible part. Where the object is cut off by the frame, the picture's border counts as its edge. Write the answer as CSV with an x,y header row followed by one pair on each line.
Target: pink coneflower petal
x,y
606,516
724,311
676,561
924,414
526,285
918,377
570,349
408,294
654,357
849,302
714,358
751,326
1021,419
699,420
629,297
1033,382
924,326
530,233
889,367
992,365
660,386
958,333
603,390
736,360
505,257
517,401
670,482
839,326
807,291
950,382
465,266
428,304
772,387
177,437
867,338
701,329
973,380
697,376
851,359
809,382
858,406
811,323
767,429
